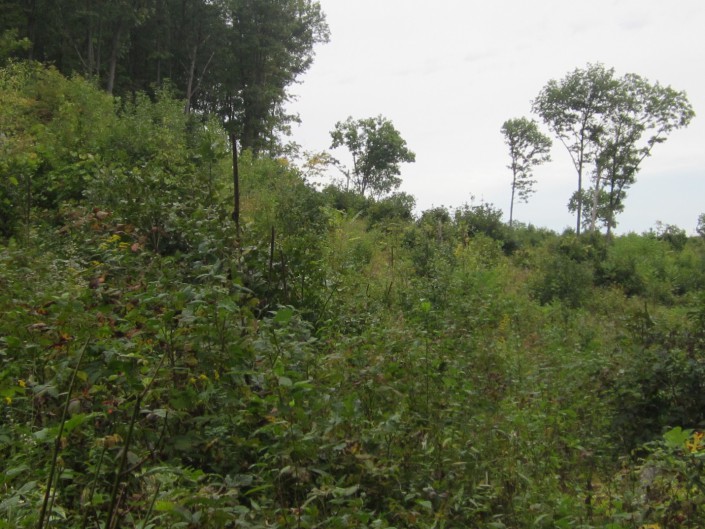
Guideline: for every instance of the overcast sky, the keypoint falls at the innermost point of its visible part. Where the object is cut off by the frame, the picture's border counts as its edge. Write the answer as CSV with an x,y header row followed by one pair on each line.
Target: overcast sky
x,y
449,73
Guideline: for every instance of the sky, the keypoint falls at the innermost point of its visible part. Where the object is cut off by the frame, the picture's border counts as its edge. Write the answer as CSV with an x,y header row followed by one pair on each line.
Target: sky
x,y
449,73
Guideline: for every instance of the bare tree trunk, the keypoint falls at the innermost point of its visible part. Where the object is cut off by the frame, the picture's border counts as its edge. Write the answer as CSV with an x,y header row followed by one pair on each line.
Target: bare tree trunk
x,y
580,198
98,54
194,83
511,204
158,44
32,27
236,187
114,58
191,74
90,49
580,166
595,198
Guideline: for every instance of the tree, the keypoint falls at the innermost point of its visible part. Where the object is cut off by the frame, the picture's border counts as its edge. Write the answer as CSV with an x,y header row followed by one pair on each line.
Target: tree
x,y
268,45
10,43
610,125
595,208
377,149
528,147
232,58
642,115
574,108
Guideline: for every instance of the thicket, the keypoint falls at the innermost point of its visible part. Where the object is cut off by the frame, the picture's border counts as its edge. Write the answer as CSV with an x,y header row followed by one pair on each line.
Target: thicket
x,y
340,364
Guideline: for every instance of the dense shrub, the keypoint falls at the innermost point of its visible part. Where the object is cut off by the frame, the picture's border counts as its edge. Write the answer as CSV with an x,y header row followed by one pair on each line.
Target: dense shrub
x,y
54,131
335,364
660,388
398,207
641,265
566,272
483,218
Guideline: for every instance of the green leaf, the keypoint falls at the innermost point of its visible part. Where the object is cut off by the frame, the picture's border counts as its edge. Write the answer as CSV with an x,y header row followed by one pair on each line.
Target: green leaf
x,y
12,472
677,437
345,491
164,506
76,421
283,316
183,443
43,435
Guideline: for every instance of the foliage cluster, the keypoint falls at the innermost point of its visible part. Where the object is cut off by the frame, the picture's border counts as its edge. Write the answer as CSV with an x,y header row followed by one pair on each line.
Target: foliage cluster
x,y
232,58
339,364
609,125
377,149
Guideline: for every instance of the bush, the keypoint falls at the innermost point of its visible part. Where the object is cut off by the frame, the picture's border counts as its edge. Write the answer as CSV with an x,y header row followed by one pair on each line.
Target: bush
x,y
660,387
398,207
640,265
53,132
344,200
484,218
566,272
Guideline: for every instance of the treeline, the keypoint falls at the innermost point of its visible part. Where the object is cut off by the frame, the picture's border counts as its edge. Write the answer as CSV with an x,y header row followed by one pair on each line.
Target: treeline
x,y
231,58
608,124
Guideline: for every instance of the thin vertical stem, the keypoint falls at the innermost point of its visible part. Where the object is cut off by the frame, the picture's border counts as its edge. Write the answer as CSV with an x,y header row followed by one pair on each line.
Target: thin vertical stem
x,y
236,187
57,442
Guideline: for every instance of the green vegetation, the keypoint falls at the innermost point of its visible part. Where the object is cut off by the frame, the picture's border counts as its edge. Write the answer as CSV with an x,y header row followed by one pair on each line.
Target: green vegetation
x,y
317,358
528,147
232,58
609,125
340,364
377,149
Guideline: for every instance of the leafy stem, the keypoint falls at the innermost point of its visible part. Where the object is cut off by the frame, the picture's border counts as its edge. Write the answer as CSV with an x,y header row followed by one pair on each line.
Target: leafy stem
x,y
57,442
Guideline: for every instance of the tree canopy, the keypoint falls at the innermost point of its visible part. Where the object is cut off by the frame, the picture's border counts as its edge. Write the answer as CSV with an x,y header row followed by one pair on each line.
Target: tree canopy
x,y
609,125
528,147
377,149
234,58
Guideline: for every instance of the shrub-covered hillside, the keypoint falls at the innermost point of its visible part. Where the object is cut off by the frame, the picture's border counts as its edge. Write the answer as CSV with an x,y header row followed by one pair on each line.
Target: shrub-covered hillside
x,y
339,364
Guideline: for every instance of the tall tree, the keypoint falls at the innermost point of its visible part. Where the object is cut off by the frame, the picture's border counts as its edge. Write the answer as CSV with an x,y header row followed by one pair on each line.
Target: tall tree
x,y
233,58
609,126
574,109
269,44
528,147
642,116
377,150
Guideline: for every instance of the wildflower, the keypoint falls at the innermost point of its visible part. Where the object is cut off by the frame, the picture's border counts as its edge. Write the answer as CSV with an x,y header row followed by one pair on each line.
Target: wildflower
x,y
202,377
109,441
695,444
8,400
21,383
